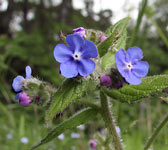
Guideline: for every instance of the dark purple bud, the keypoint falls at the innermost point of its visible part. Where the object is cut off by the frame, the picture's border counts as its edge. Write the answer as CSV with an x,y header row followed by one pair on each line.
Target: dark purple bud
x,y
118,85
24,99
93,144
105,80
80,31
37,98
102,38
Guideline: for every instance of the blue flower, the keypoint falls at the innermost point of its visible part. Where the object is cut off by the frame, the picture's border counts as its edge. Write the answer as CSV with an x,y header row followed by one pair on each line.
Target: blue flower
x,y
130,66
75,58
17,82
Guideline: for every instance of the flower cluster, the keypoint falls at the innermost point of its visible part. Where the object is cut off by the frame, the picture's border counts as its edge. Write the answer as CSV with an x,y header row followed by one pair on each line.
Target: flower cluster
x,y
76,58
17,84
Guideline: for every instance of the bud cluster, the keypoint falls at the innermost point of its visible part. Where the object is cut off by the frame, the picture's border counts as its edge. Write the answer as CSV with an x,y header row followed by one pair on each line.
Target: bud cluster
x,y
32,90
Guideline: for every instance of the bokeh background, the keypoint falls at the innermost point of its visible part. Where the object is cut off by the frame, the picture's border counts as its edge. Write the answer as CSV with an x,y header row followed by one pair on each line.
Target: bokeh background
x,y
29,31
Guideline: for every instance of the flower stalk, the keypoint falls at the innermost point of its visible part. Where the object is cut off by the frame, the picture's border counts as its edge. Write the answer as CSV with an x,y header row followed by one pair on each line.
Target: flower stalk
x,y
156,132
138,22
108,118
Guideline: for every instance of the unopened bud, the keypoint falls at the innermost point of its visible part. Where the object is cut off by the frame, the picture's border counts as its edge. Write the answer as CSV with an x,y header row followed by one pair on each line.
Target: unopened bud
x,y
80,31
118,85
93,144
37,98
102,38
24,99
105,80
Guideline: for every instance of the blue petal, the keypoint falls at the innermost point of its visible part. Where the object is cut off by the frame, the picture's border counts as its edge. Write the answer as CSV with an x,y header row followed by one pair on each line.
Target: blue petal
x,y
120,58
75,42
28,72
62,53
140,69
69,69
89,50
131,78
17,83
86,67
17,96
134,54
120,61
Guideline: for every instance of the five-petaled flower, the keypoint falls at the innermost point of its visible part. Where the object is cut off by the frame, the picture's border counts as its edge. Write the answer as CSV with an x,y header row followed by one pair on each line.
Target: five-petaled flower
x,y
130,66
76,57
17,84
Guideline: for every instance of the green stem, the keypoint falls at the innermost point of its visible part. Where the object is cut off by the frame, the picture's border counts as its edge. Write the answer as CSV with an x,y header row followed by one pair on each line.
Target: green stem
x,y
159,31
156,132
140,15
108,118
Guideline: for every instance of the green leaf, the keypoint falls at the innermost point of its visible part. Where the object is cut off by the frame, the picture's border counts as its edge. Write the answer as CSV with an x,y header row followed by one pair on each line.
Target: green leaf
x,y
79,118
117,39
130,93
115,36
70,91
120,25
108,60
106,44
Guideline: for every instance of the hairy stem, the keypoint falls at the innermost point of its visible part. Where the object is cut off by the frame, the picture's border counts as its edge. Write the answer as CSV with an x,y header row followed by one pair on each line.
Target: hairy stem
x,y
108,118
156,132
139,19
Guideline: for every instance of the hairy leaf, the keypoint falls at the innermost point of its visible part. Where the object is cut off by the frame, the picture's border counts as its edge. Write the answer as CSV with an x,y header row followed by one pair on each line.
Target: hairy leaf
x,y
106,44
117,39
70,91
149,85
79,118
114,34
108,60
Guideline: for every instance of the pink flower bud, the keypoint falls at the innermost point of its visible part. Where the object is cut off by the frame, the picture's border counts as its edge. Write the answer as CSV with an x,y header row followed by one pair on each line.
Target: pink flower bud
x,y
105,80
102,38
24,99
93,144
80,31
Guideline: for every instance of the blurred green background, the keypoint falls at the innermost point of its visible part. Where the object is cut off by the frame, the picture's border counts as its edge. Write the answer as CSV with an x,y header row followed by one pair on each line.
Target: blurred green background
x,y
29,31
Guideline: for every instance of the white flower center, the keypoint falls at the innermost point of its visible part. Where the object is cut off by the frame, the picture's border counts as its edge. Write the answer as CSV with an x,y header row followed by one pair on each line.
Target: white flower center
x,y
129,66
77,56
